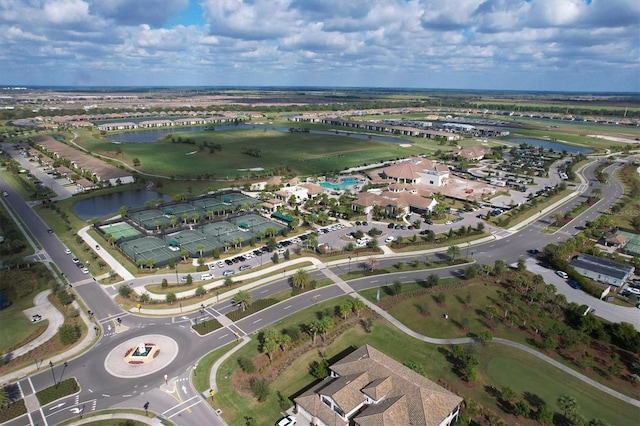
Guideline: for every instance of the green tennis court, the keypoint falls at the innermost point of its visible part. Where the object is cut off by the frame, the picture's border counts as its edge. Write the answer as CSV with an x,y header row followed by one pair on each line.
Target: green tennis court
x,y
633,243
120,230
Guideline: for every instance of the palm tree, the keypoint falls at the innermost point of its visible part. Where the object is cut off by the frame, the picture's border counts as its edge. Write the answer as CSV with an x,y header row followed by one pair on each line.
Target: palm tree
x,y
201,248
567,404
301,279
243,298
373,262
325,325
346,308
173,220
184,218
314,327
453,252
357,304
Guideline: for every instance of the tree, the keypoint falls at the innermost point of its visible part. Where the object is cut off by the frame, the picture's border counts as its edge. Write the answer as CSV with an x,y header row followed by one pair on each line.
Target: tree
x,y
243,298
171,298
357,304
453,252
260,389
567,404
544,414
499,266
164,283
200,291
124,291
324,325
69,333
345,309
301,279
373,262
485,336
491,312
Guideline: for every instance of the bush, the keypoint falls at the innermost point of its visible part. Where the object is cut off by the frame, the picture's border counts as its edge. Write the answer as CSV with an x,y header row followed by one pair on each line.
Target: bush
x,y
246,365
200,291
260,389
124,291
293,333
319,369
416,366
69,333
64,297
164,283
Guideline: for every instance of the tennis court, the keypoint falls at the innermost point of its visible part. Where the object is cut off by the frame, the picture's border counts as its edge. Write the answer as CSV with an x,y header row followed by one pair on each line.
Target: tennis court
x,y
633,243
150,218
119,230
182,209
144,249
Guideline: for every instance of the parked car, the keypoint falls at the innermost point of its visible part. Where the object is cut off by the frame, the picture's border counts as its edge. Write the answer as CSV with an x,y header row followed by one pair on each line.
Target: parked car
x,y
389,239
287,421
244,268
228,272
67,251
220,264
206,276
75,260
85,270
562,274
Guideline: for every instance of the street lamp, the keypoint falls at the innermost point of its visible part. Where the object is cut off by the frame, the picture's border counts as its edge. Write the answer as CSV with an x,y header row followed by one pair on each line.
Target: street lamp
x,y
349,264
52,372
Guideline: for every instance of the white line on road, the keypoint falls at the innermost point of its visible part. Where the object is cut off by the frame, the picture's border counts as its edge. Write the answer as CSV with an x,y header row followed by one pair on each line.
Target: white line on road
x,y
257,321
374,281
286,307
264,291
106,395
223,336
186,408
127,395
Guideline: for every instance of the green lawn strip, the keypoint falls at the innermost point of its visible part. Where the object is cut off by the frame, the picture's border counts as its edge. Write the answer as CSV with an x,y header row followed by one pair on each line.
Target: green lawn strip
x,y
115,421
361,272
12,410
407,287
201,376
409,246
60,390
527,210
207,326
10,227
575,212
254,307
296,378
525,374
628,177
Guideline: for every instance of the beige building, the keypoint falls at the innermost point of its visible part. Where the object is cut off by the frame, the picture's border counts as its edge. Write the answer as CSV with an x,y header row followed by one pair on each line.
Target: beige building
x,y
367,388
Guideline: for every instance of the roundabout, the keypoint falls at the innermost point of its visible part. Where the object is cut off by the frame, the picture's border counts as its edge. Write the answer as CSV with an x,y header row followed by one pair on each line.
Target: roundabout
x,y
141,356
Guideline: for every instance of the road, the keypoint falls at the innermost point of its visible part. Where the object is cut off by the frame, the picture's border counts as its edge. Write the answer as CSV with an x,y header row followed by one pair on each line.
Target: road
x,y
176,399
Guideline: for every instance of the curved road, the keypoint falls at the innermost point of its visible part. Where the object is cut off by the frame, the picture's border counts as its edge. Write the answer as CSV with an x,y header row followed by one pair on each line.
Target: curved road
x,y
176,399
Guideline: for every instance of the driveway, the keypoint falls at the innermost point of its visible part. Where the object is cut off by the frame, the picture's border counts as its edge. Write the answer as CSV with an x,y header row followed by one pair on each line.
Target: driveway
x,y
605,310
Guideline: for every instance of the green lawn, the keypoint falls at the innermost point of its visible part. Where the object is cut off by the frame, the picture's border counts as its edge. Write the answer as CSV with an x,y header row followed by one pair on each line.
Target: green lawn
x,y
497,365
201,380
304,153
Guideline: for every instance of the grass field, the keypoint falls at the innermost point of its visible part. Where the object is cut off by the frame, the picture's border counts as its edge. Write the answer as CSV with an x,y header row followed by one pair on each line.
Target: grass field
x,y
497,364
302,153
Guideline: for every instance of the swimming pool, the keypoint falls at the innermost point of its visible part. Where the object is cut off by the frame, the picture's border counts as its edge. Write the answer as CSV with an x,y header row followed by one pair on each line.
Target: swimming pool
x,y
345,183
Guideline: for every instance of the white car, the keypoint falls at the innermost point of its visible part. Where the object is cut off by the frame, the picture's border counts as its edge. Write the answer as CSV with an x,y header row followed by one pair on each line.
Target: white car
x,y
67,251
220,264
448,222
84,270
562,274
389,239
206,276
287,421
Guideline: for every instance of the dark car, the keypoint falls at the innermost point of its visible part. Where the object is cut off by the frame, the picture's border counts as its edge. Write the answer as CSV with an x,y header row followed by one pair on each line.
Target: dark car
x,y
390,226
428,222
50,231
228,262
533,251
365,223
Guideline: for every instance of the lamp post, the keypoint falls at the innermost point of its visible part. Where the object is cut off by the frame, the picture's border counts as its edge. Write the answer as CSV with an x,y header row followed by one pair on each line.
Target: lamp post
x,y
349,264
62,374
52,372
468,245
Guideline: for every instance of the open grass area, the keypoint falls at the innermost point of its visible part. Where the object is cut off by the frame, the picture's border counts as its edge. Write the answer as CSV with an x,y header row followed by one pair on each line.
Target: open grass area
x,y
59,390
12,410
571,134
531,374
201,376
303,153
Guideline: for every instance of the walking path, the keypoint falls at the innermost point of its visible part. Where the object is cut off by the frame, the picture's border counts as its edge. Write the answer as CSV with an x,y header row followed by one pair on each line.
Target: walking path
x,y
113,417
462,340
44,308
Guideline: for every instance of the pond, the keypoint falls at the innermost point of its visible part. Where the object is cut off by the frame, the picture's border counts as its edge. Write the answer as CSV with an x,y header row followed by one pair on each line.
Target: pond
x,y
556,146
109,204
153,135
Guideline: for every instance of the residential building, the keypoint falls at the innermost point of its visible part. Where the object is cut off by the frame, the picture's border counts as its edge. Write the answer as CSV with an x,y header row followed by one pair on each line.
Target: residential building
x,y
368,388
602,270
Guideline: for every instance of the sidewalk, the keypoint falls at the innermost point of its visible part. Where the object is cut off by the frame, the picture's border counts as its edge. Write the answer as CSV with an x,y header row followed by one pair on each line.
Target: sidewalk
x,y
42,307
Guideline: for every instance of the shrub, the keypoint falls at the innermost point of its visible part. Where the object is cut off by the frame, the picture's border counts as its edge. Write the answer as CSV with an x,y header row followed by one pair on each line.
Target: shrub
x,y
200,291
164,283
260,389
246,365
319,369
416,366
64,297
69,333
293,333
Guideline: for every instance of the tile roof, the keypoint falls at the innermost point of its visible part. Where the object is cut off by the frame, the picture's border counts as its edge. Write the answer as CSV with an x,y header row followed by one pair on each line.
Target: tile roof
x,y
405,397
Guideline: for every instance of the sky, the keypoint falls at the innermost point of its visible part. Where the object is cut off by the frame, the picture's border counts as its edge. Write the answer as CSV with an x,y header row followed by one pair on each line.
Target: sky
x,y
545,45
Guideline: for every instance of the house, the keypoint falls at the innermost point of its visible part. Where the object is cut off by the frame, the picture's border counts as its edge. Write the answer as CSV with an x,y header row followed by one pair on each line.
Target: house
x,y
417,170
472,153
615,240
368,388
602,270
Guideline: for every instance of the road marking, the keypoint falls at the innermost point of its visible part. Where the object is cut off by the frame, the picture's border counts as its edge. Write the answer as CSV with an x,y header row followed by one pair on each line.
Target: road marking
x,y
186,408
223,336
286,307
127,395
57,406
257,321
106,395
374,281
264,291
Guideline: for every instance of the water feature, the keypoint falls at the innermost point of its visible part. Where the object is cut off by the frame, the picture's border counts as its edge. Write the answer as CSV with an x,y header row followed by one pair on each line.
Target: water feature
x,y
345,183
153,135
556,146
109,204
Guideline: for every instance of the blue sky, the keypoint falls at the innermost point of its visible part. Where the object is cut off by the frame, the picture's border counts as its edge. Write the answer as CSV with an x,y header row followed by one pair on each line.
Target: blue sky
x,y
564,45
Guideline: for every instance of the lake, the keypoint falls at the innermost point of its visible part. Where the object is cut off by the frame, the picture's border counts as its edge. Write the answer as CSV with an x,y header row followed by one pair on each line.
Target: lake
x,y
153,135
556,146
109,204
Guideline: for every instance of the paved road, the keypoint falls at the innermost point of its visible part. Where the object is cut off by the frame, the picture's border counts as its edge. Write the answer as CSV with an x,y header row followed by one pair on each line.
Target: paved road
x,y
101,390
